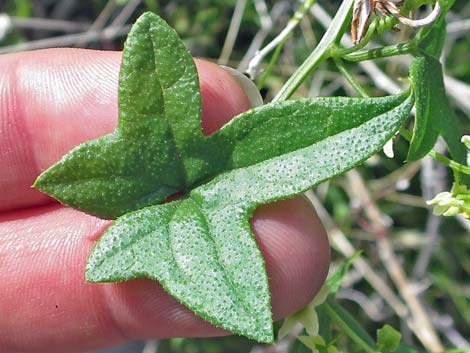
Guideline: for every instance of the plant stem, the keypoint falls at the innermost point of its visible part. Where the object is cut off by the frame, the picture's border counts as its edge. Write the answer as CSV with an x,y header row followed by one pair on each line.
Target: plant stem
x,y
352,81
439,157
271,64
340,52
320,53
336,318
383,52
280,38
449,162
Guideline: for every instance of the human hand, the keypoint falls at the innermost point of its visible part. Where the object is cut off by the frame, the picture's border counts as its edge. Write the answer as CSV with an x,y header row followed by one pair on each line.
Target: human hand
x,y
50,101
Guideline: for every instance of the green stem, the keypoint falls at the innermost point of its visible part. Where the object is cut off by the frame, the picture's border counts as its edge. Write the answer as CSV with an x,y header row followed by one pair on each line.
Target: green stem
x,y
336,318
320,53
339,52
271,64
449,162
352,81
439,157
281,37
387,51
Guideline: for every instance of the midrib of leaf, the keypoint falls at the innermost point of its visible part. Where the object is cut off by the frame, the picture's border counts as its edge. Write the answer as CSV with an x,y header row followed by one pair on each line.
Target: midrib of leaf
x,y
170,125
227,232
208,235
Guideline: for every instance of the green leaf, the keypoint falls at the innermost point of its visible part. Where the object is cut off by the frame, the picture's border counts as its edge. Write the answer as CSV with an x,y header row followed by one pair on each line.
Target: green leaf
x,y
295,172
434,116
388,339
334,282
158,148
201,248
144,160
350,326
307,316
431,39
209,267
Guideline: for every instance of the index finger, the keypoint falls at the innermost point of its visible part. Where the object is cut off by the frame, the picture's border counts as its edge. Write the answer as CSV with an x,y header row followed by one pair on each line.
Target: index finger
x,y
52,100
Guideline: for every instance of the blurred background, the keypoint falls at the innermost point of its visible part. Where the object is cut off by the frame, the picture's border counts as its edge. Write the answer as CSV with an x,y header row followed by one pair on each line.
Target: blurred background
x,y
411,260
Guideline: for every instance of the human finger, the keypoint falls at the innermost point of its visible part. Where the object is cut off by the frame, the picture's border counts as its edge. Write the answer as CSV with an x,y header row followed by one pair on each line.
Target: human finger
x,y
52,100
47,306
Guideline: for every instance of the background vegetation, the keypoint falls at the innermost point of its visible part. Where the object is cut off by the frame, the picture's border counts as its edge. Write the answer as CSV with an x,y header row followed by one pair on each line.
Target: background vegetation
x,y
413,265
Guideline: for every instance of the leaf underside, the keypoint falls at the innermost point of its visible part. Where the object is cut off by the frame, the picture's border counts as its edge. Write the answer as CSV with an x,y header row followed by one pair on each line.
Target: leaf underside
x,y
201,248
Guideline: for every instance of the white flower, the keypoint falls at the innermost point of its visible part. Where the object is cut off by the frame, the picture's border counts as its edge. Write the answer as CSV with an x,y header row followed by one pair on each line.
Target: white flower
x,y
466,140
5,25
452,203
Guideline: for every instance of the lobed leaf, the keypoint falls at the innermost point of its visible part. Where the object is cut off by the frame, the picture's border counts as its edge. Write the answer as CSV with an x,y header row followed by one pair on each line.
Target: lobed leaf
x,y
201,248
140,163
158,148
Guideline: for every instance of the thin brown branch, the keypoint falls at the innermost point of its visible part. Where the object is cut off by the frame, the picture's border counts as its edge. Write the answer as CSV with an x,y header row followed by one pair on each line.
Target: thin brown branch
x,y
232,33
340,242
419,320
67,40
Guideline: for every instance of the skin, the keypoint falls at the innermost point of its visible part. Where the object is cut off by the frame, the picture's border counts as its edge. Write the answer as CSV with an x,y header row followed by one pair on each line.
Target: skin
x,y
50,101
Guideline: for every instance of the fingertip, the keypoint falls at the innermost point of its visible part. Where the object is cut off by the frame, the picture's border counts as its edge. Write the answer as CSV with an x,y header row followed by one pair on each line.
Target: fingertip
x,y
296,250
222,96
57,98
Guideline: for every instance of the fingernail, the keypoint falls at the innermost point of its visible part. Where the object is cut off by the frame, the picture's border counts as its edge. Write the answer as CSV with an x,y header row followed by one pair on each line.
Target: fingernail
x,y
249,87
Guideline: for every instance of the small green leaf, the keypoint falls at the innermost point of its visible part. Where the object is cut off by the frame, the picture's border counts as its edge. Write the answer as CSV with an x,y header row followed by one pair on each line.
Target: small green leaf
x,y
307,316
388,339
434,116
350,326
334,282
431,39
